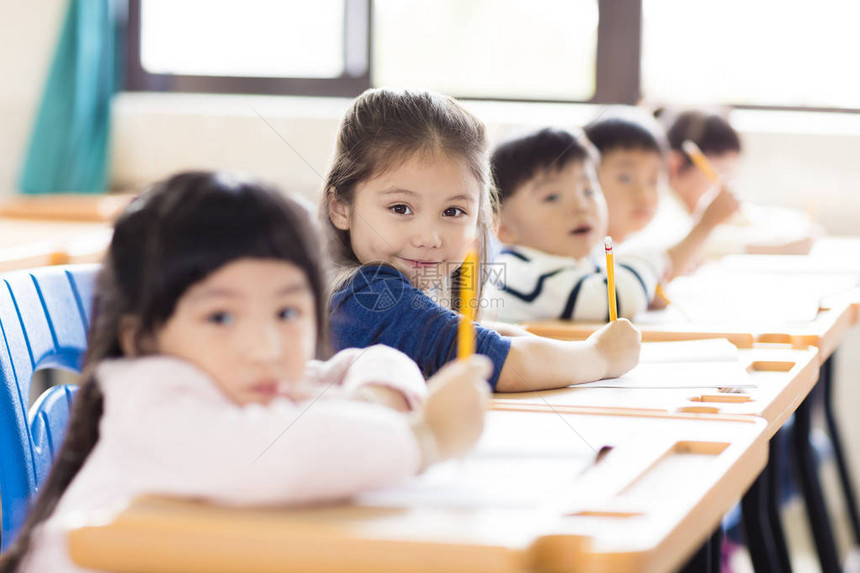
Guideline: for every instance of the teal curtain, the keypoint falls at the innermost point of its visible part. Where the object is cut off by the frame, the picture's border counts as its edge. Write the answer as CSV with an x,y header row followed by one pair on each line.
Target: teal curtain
x,y
68,149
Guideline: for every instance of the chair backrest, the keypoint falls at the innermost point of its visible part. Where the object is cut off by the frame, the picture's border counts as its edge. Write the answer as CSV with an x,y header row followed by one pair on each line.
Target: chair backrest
x,y
49,418
44,318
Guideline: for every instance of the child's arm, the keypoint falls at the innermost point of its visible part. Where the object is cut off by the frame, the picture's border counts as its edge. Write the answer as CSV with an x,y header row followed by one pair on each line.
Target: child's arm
x,y
800,246
685,253
537,363
377,374
169,424
505,329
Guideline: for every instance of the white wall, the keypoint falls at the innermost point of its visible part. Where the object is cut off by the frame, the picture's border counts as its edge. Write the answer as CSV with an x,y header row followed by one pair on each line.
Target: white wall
x,y
804,160
28,31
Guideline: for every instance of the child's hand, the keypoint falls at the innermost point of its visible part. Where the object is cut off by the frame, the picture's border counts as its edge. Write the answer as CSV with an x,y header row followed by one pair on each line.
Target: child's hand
x,y
657,303
618,345
721,208
454,410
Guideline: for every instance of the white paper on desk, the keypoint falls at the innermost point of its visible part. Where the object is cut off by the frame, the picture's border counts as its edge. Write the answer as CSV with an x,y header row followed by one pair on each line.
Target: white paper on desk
x,y
693,375
719,296
521,461
707,350
793,264
485,482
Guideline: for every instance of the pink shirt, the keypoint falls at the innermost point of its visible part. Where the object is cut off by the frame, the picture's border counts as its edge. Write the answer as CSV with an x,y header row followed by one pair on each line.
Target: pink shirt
x,y
168,429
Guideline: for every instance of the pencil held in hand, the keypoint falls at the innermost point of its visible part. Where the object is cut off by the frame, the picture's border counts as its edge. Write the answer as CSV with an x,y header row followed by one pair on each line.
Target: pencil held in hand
x,y
468,306
699,159
610,279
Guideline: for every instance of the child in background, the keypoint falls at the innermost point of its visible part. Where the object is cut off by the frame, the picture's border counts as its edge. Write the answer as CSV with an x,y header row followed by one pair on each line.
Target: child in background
x,y
200,379
632,172
553,217
755,229
632,166
408,195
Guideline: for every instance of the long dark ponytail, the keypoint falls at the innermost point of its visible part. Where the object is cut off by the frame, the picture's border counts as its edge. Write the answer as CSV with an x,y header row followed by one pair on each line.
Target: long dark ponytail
x,y
170,237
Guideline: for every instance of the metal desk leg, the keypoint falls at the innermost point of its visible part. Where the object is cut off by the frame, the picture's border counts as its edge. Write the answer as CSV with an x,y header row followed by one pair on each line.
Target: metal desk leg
x,y
772,503
757,526
816,509
827,383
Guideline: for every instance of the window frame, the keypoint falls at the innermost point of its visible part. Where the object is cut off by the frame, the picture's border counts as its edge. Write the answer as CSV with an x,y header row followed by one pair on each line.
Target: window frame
x,y
617,67
357,29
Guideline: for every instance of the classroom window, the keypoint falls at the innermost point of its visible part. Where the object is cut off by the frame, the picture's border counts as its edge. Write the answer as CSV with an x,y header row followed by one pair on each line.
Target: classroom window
x,y
732,52
248,38
769,53
249,46
582,50
507,49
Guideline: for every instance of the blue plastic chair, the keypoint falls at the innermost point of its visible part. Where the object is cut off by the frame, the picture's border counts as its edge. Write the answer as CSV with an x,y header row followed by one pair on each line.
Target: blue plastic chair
x,y
49,419
43,324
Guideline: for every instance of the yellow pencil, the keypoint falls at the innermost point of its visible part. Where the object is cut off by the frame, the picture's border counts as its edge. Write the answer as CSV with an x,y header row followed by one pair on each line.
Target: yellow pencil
x,y
661,294
610,279
697,157
468,306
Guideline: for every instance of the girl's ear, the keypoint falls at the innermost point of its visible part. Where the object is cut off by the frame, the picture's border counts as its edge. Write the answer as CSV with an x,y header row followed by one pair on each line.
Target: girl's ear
x,y
130,341
338,212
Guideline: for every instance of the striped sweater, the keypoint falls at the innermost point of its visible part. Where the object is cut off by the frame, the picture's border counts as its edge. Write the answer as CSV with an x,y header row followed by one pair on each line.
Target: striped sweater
x,y
526,284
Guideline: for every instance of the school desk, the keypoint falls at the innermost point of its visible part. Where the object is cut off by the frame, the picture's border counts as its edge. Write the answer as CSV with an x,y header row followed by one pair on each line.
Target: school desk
x,y
531,497
26,243
65,206
825,331
767,381
748,308
833,256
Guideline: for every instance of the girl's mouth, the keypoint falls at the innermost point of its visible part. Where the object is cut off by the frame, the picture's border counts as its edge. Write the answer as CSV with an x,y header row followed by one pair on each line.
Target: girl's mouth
x,y
581,230
419,264
268,388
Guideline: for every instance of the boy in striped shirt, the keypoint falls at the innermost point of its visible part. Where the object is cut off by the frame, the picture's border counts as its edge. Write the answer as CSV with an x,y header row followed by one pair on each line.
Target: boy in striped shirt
x,y
552,223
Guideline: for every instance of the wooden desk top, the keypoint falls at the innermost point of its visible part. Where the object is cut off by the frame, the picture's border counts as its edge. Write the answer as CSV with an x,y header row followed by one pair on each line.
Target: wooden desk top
x,y
65,206
801,301
33,243
824,332
530,497
766,381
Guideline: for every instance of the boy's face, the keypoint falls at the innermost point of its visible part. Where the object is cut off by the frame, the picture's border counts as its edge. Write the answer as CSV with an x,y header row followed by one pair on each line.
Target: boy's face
x,y
250,325
630,180
560,212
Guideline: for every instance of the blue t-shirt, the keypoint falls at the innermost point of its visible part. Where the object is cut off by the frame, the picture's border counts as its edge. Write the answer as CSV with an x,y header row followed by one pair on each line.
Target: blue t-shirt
x,y
380,306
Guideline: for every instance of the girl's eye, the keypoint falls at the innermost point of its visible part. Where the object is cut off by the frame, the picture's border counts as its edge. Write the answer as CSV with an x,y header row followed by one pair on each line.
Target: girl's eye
x,y
401,209
453,212
288,313
551,198
589,192
624,178
220,318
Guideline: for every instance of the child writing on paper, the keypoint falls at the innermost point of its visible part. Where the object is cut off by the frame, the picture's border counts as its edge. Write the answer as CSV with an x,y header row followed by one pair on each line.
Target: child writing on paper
x,y
408,195
632,172
200,378
553,218
756,229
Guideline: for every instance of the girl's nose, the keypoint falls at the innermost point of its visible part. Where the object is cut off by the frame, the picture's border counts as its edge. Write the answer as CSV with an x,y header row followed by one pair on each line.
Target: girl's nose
x,y
264,343
427,236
